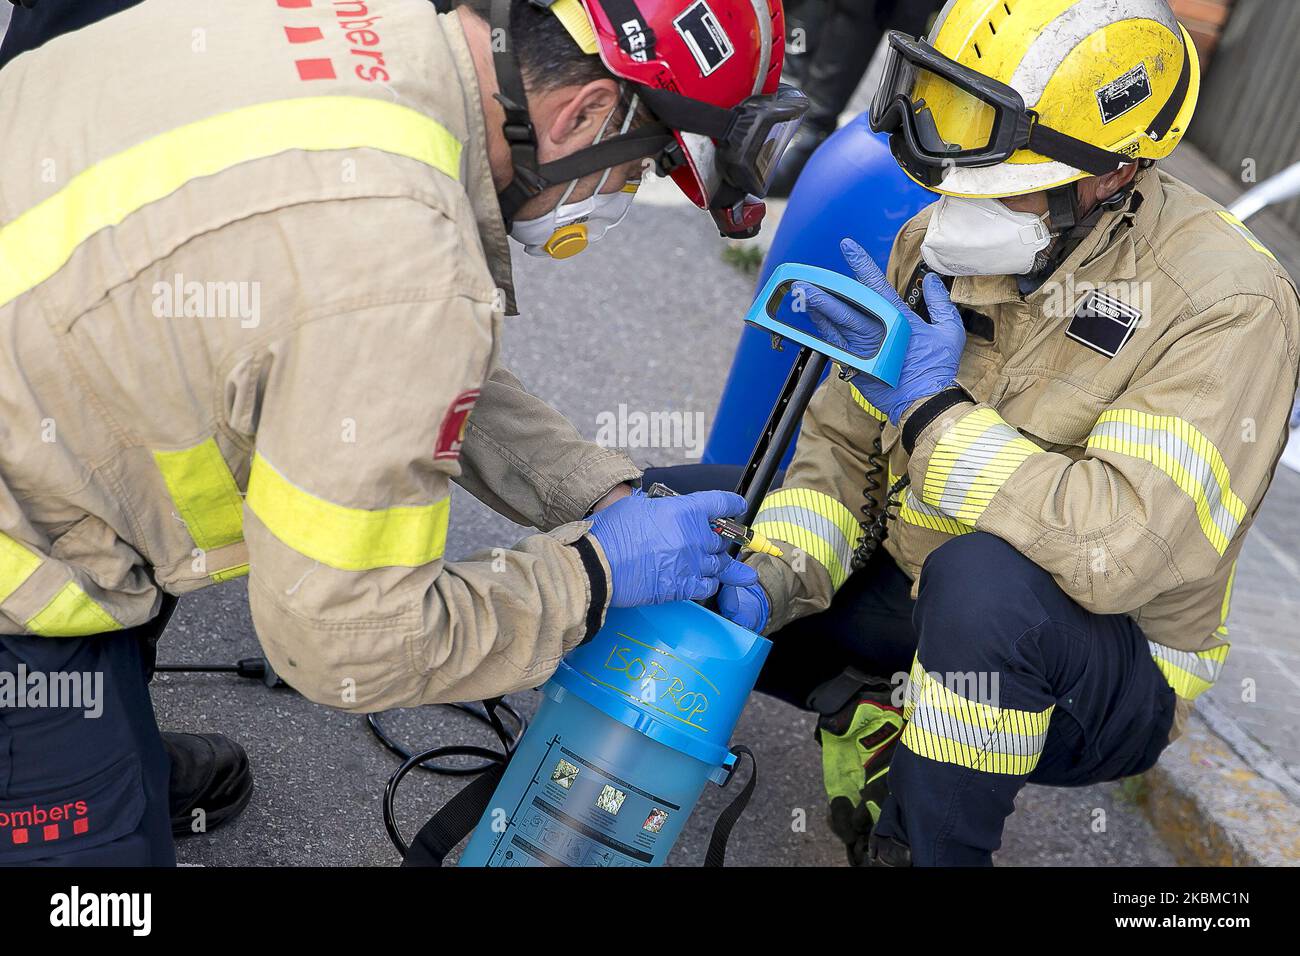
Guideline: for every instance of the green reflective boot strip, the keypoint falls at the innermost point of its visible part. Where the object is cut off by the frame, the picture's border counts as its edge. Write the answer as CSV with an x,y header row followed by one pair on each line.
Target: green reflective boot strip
x,y
844,757
206,498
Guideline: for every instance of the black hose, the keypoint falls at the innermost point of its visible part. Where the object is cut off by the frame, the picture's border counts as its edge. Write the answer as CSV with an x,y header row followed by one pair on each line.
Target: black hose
x,y
490,757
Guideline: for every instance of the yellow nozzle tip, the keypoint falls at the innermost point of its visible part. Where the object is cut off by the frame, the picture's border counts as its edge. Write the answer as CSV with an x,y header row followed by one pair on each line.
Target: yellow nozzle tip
x,y
761,545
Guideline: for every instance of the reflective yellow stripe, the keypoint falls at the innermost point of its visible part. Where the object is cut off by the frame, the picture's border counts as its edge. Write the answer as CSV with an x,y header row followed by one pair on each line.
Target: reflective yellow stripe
x,y
1245,232
350,539
229,574
815,523
1190,673
35,245
866,406
17,564
914,511
949,728
1183,453
72,613
206,497
971,462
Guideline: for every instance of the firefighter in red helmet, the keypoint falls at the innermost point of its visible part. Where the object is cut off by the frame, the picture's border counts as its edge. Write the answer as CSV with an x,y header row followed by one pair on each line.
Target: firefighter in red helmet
x,y
351,171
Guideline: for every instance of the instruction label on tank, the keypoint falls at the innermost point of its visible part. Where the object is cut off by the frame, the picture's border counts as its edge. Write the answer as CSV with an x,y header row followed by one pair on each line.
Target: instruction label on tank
x,y
577,812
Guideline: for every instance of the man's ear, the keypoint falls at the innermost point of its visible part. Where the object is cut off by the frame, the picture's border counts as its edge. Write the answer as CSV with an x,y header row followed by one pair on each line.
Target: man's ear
x,y
1112,183
577,121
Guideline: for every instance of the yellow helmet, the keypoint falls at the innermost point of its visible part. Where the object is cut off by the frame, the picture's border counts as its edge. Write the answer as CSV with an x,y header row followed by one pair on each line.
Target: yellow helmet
x,y
1008,97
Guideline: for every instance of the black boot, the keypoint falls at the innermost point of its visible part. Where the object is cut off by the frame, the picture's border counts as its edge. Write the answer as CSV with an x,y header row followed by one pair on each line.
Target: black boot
x,y
211,782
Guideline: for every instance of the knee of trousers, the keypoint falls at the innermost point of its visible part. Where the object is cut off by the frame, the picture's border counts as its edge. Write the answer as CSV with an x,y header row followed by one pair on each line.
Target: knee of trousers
x,y
978,596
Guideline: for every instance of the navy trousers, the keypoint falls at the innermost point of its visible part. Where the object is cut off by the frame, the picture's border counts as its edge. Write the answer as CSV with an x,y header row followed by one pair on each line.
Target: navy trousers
x,y
83,772
1020,684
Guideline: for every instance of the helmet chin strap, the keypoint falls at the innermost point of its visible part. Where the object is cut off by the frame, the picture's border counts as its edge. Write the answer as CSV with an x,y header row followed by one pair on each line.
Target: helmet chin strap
x,y
530,177
1069,227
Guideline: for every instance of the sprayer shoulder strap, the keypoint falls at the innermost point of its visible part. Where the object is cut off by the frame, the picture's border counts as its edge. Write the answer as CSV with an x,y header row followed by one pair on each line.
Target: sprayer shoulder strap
x,y
717,852
455,821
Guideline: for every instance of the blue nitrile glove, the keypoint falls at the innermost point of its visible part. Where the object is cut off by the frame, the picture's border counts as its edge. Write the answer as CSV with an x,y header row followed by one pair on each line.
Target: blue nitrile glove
x,y
747,606
933,353
662,549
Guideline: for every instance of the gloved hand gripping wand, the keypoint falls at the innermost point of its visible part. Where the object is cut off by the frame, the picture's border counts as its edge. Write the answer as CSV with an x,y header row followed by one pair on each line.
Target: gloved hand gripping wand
x,y
806,373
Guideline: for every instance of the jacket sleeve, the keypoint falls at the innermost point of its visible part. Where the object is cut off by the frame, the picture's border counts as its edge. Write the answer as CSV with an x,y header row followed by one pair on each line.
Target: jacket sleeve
x,y
1171,469
816,512
346,520
525,460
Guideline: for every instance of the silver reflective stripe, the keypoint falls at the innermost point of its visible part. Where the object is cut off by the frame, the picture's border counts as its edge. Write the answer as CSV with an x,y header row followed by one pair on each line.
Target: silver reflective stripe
x,y
1196,466
966,471
819,525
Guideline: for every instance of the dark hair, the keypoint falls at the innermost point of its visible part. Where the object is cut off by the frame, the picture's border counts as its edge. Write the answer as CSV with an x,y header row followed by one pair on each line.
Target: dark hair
x,y
548,57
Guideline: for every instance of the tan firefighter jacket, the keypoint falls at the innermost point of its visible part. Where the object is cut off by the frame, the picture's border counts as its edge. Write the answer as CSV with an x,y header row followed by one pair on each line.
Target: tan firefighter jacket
x,y
252,278
1131,477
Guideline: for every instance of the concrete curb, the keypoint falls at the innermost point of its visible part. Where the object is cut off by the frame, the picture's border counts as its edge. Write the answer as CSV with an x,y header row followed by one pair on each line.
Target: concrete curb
x,y
1219,799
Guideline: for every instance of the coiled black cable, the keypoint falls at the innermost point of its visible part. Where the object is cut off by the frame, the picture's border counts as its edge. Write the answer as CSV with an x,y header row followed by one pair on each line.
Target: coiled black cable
x,y
875,522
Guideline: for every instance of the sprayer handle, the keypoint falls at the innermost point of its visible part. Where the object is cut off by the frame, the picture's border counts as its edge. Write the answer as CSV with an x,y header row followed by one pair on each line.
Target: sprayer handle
x,y
886,365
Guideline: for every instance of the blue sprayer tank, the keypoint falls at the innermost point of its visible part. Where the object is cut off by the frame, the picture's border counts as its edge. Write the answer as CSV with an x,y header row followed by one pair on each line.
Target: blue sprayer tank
x,y
851,187
631,727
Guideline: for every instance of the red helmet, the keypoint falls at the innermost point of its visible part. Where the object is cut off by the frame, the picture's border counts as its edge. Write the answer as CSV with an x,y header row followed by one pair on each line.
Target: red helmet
x,y
709,71
719,52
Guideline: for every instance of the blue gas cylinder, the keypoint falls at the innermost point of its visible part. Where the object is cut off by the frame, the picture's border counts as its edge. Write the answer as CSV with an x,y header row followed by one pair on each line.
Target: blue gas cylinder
x,y
851,187
632,725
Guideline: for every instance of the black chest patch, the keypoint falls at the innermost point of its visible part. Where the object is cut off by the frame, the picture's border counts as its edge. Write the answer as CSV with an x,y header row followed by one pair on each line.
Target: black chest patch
x,y
1103,323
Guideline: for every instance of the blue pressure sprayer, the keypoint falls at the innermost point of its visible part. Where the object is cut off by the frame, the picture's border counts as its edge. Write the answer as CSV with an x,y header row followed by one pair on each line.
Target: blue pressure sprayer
x,y
636,721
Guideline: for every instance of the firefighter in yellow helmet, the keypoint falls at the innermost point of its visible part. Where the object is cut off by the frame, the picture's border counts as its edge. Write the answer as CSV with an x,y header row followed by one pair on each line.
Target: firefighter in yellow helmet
x,y
1094,400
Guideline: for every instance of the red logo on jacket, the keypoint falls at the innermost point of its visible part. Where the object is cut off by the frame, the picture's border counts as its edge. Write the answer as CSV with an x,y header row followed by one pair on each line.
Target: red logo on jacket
x,y
452,433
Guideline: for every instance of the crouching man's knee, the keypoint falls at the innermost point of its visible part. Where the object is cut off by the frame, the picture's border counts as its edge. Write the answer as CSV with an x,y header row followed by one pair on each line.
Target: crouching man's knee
x,y
978,595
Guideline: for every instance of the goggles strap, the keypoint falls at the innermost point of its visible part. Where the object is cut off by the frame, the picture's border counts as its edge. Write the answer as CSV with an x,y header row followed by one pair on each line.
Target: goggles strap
x,y
688,115
1074,152
518,125
1169,112
1062,209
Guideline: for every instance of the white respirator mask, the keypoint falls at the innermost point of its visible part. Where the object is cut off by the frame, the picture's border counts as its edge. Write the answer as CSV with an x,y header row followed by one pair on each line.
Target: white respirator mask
x,y
982,237
570,227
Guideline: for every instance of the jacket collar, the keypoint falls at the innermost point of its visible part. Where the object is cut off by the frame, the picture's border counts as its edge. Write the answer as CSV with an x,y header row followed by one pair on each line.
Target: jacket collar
x,y
477,170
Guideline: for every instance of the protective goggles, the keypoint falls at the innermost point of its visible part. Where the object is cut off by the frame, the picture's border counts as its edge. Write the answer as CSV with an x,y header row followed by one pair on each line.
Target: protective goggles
x,y
748,139
941,114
